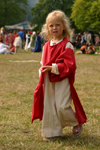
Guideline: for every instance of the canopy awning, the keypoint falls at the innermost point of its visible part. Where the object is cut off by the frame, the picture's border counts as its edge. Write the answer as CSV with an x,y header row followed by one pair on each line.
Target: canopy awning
x,y
23,25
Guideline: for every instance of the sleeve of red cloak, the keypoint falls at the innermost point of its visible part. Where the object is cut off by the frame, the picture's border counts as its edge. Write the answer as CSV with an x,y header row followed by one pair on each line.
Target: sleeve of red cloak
x,y
66,63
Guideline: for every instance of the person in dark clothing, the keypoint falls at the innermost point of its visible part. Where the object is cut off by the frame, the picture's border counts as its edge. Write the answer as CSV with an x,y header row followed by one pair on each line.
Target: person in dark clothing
x,y
20,33
38,43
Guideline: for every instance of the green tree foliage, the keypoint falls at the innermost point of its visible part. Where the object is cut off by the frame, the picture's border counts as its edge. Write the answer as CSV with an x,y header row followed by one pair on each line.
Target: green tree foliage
x,y
86,14
94,13
11,11
43,7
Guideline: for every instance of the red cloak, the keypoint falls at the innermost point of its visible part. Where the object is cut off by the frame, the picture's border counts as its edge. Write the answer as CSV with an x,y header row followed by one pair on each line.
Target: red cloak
x,y
65,60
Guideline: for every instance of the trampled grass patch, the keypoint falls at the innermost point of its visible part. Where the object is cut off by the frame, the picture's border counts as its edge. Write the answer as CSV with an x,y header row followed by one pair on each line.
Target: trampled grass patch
x,y
18,81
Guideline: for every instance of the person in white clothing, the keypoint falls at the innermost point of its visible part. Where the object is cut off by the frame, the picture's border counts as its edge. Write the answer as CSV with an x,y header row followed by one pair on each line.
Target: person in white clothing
x,y
4,49
18,43
27,41
31,44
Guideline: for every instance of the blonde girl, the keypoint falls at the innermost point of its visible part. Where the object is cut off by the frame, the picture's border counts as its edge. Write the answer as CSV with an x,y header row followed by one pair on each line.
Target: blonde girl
x,y
63,18
51,104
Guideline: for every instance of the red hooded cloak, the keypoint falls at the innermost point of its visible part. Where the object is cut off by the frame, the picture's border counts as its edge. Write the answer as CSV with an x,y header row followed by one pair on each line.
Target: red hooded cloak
x,y
65,60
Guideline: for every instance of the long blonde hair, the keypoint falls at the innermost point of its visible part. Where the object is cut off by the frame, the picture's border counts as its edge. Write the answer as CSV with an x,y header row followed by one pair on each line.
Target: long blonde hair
x,y
65,20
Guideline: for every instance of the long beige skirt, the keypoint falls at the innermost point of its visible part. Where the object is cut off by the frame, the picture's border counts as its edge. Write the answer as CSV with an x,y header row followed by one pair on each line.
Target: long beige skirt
x,y
57,110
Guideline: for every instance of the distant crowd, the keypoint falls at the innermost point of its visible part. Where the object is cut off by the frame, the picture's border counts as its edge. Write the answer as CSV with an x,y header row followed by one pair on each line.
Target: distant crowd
x,y
86,42
13,41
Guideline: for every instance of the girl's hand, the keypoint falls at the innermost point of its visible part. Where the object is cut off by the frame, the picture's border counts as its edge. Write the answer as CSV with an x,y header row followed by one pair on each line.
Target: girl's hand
x,y
46,68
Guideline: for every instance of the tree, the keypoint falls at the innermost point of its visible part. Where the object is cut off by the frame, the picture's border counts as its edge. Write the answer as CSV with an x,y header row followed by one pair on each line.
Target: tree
x,y
11,11
86,14
43,7
94,13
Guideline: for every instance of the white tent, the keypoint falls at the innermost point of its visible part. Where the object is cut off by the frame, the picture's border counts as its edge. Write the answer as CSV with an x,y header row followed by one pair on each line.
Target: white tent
x,y
23,25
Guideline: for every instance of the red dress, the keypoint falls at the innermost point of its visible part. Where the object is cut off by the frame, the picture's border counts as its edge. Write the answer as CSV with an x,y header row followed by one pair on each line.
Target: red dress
x,y
6,39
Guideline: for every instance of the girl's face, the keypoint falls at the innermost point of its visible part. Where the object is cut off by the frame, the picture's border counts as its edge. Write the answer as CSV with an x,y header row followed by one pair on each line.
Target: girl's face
x,y
55,28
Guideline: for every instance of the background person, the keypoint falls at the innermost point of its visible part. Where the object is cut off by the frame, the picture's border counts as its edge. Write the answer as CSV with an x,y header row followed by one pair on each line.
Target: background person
x,y
18,43
21,34
91,49
97,40
89,37
82,49
12,38
27,40
1,37
6,38
33,41
73,37
4,49
38,43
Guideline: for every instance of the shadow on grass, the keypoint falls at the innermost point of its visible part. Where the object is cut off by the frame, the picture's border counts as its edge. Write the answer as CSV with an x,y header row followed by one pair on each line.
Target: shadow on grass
x,y
86,140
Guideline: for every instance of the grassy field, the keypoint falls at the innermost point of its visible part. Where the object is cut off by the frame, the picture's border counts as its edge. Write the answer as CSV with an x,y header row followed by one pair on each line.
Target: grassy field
x,y
18,79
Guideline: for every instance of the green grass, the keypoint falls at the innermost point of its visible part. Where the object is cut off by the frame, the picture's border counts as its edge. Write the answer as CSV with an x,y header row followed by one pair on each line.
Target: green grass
x,y
18,81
